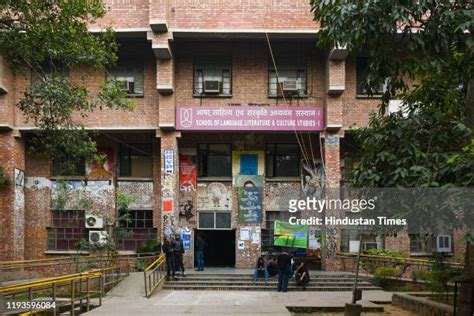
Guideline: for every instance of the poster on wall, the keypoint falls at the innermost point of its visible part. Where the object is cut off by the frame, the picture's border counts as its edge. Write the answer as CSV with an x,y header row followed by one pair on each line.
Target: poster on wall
x,y
187,173
169,161
250,205
248,181
102,168
186,238
288,235
314,238
167,205
248,163
214,196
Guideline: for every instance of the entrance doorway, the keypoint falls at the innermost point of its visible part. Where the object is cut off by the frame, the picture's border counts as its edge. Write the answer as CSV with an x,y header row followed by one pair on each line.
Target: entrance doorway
x,y
220,250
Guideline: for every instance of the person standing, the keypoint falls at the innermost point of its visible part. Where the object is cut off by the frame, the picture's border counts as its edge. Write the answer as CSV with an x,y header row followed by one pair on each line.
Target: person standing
x,y
199,250
284,270
168,251
178,251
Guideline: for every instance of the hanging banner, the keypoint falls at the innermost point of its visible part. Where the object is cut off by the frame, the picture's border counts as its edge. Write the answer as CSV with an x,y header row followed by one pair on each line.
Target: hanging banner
x,y
187,173
249,118
288,235
250,205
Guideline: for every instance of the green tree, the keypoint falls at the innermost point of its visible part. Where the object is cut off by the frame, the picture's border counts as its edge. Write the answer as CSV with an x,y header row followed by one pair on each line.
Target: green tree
x,y
50,38
423,51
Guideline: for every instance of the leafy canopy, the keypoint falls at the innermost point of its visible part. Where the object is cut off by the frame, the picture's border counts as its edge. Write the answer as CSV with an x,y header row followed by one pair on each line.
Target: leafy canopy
x,y
51,38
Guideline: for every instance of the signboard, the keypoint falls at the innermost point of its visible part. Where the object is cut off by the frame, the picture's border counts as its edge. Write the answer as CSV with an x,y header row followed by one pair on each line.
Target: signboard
x,y
250,205
249,118
169,161
288,235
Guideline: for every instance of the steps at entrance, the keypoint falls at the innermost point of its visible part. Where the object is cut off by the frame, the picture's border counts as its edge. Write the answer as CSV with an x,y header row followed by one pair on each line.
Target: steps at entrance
x,y
244,282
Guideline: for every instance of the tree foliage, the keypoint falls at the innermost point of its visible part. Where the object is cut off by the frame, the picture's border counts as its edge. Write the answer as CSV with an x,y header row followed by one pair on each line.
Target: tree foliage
x,y
51,38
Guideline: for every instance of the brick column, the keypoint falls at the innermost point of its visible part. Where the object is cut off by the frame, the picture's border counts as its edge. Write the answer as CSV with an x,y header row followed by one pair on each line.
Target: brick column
x,y
12,198
335,84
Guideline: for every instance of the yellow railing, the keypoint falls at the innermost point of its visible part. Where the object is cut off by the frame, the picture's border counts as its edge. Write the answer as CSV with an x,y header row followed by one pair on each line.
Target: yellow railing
x,y
74,292
154,275
413,261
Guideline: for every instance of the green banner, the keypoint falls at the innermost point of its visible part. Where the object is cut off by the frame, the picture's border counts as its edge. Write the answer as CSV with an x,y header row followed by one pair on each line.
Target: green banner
x,y
288,235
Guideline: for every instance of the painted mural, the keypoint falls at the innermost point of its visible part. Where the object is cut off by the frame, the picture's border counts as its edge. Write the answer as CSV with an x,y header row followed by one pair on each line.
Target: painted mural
x,y
99,170
250,205
187,208
214,196
248,163
312,179
187,173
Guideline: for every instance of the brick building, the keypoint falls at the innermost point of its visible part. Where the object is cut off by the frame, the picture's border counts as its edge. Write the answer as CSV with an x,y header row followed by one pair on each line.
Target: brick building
x,y
234,102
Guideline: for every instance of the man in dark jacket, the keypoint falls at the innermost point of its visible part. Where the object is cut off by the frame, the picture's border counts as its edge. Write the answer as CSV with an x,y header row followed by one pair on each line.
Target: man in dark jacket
x,y
284,270
199,251
168,251
178,251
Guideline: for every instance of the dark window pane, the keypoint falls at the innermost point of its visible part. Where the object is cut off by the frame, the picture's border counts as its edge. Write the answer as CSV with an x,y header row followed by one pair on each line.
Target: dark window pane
x,y
206,220
223,220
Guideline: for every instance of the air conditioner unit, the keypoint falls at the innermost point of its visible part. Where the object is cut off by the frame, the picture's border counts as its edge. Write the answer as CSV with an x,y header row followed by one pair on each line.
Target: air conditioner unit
x,y
94,221
443,243
290,86
372,245
97,237
128,84
212,86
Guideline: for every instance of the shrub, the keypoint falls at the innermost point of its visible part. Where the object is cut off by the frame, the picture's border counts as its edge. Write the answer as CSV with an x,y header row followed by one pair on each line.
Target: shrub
x,y
383,274
140,265
150,246
370,265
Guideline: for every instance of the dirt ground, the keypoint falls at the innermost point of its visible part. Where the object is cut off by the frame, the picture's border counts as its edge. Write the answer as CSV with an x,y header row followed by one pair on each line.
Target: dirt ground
x,y
389,310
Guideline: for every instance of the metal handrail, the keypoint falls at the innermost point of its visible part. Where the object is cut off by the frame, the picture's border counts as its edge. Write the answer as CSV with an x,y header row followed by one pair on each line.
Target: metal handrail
x,y
400,259
78,286
154,275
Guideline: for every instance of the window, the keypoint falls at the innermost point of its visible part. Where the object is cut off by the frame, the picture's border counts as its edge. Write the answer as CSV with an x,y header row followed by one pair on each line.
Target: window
x,y
136,160
214,160
361,78
139,230
282,160
212,76
291,77
268,231
350,241
68,228
130,72
139,219
429,244
214,220
67,167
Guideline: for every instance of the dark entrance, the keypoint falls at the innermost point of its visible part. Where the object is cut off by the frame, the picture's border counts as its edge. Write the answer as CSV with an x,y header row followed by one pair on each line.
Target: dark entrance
x,y
220,250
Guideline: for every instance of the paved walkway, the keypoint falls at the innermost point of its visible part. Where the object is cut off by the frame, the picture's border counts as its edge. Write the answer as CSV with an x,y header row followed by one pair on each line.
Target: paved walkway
x,y
128,299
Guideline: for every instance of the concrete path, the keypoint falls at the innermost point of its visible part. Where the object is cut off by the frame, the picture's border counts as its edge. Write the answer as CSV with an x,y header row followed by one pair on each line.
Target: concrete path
x,y
130,287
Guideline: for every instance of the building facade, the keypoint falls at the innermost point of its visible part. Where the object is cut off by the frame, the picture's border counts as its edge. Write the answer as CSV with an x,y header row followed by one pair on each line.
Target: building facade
x,y
238,111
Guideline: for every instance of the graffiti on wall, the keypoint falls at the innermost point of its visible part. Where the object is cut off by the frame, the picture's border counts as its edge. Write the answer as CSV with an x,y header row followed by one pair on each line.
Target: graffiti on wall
x,y
248,163
187,208
248,181
250,205
331,245
101,169
214,196
170,224
278,195
141,191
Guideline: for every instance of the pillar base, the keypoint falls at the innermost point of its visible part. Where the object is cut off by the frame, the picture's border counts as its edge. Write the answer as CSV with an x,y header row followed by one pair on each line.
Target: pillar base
x,y
352,309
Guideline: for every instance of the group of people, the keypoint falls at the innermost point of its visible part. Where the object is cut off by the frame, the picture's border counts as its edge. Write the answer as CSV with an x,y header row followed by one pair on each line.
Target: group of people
x,y
173,248
285,267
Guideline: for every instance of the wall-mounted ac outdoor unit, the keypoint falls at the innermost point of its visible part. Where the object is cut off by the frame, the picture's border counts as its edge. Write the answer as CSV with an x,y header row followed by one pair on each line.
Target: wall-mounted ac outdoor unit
x,y
94,221
97,237
128,84
290,86
212,86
